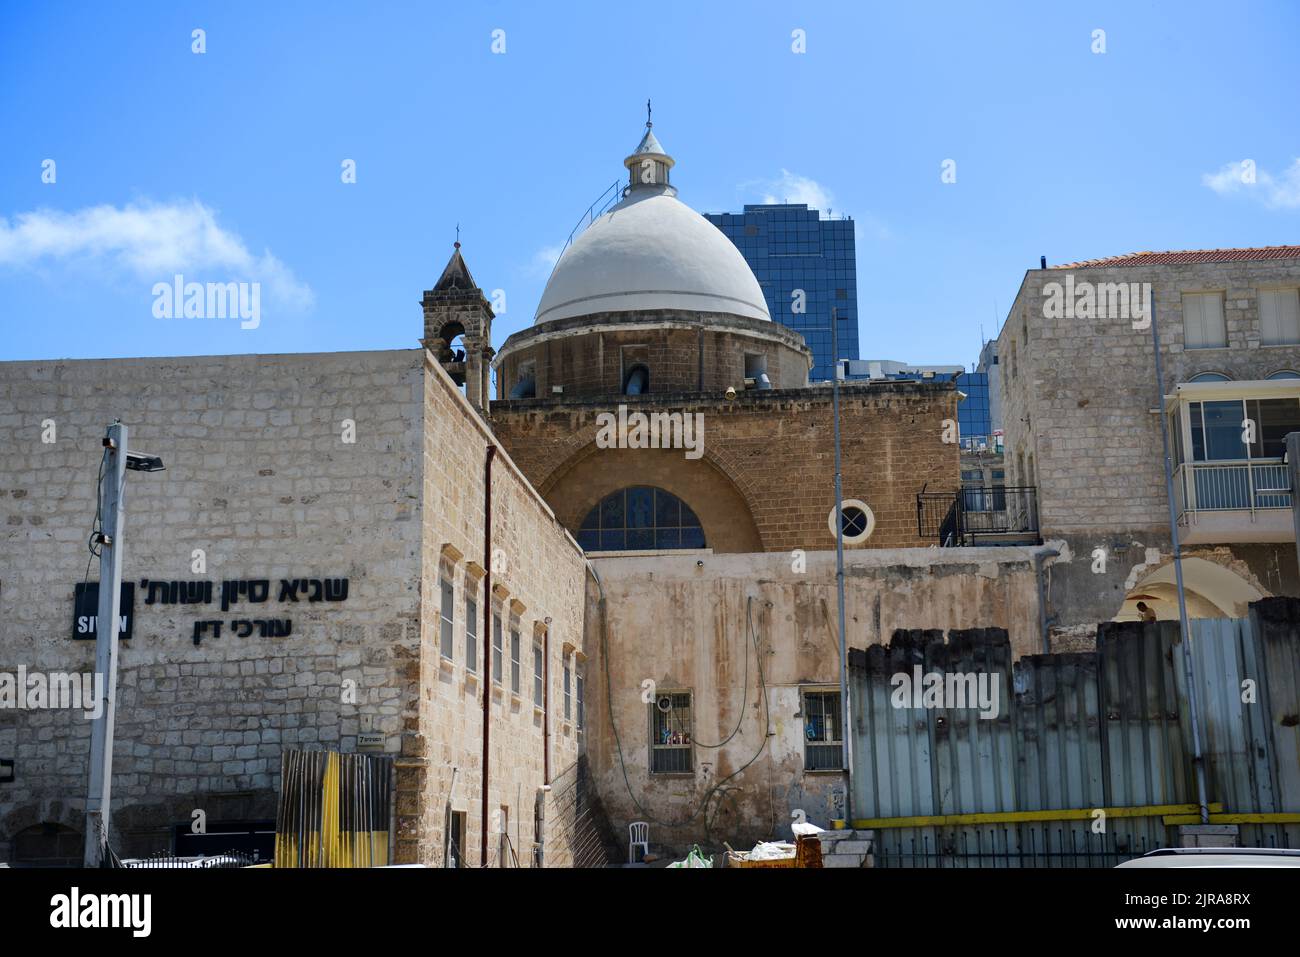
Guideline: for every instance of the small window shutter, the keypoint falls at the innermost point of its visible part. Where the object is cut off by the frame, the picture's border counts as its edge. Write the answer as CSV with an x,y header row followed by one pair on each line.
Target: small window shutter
x,y
1193,324
1216,333
1279,316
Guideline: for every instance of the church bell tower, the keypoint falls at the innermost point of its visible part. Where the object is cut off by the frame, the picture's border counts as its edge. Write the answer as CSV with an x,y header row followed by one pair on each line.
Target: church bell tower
x,y
458,329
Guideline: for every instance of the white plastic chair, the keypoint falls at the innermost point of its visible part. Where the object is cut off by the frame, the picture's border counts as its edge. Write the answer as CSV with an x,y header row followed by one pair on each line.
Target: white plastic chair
x,y
638,836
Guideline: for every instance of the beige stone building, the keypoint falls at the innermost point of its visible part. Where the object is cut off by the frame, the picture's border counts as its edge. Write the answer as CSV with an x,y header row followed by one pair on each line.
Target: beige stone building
x,y
628,555
1081,413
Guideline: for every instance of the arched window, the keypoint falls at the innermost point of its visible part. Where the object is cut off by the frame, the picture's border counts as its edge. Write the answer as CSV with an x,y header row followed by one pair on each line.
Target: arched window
x,y
1285,374
640,518
1210,377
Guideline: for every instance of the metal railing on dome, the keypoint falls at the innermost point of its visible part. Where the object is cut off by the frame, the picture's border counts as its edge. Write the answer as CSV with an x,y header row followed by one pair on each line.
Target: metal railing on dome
x,y
612,194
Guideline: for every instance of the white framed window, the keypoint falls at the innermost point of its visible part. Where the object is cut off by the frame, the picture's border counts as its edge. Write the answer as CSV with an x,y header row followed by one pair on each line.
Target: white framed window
x,y
856,518
538,675
670,733
1218,428
1279,317
446,642
1203,325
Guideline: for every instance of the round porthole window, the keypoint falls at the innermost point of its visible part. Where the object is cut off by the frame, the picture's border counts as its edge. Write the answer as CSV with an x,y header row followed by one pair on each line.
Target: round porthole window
x,y
858,521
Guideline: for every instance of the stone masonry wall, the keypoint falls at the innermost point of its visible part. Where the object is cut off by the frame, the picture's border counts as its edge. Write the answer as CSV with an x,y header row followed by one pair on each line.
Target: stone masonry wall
x,y
258,476
774,450
1076,398
537,574
702,352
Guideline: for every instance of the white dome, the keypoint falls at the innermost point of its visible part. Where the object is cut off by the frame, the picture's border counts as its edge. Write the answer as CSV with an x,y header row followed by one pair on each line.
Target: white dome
x,y
651,251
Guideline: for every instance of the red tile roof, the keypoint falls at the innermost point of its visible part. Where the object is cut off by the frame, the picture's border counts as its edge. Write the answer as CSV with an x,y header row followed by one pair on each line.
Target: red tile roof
x,y
1180,257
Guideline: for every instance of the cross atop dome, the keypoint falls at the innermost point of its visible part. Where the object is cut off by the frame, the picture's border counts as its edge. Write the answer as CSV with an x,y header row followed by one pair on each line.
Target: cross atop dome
x,y
648,165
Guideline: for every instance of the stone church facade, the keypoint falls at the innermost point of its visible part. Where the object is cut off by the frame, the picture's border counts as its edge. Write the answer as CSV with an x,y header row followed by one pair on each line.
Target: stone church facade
x,y
463,547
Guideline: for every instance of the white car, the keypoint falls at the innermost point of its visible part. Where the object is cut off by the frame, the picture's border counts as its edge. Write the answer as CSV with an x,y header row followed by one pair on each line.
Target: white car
x,y
1217,857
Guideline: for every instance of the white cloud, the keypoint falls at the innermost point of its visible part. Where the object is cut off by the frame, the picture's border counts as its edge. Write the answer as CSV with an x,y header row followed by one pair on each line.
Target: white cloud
x,y
544,260
149,241
793,188
1243,176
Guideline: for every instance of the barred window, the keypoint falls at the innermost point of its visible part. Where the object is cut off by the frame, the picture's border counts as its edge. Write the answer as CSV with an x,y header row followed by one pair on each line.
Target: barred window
x,y
670,733
823,742
448,619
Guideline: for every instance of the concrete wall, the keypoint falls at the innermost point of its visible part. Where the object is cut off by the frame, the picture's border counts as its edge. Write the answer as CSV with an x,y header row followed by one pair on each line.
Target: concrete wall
x,y
1076,396
683,622
258,477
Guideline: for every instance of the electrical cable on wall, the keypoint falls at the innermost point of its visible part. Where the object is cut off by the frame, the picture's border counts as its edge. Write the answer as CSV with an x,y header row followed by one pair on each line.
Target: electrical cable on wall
x,y
718,788
97,526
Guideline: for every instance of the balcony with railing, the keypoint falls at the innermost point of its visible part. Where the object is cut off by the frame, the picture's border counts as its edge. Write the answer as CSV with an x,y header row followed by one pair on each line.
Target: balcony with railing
x,y
1228,438
1248,501
979,515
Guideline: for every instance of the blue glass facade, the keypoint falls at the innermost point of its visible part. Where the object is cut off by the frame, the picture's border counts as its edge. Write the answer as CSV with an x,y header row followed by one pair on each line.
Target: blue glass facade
x,y
790,247
974,416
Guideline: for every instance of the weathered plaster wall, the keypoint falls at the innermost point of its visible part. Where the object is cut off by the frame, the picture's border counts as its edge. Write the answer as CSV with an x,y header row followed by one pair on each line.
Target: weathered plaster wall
x,y
683,622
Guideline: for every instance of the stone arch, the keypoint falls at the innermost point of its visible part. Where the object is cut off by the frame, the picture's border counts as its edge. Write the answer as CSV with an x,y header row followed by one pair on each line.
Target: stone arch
x,y
53,825
1212,590
579,484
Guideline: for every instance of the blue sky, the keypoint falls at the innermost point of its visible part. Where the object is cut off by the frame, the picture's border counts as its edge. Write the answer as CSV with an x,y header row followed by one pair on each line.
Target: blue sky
x,y
225,165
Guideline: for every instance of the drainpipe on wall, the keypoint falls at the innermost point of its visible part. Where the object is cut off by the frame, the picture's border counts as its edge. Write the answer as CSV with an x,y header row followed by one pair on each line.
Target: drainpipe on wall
x,y
846,717
487,642
1040,555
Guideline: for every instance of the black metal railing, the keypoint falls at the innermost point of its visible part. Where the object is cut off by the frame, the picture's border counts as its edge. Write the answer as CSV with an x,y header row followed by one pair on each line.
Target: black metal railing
x,y
979,515
229,860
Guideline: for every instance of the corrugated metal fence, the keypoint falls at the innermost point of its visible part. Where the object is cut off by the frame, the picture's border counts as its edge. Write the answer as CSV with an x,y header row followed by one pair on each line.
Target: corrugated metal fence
x,y
334,810
1075,733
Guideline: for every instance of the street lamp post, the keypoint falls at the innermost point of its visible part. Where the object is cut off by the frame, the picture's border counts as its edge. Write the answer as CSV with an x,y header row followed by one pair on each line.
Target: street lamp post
x,y
112,513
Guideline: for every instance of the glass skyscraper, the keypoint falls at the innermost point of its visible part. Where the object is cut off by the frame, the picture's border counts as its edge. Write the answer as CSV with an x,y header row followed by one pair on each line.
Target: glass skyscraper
x,y
790,247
